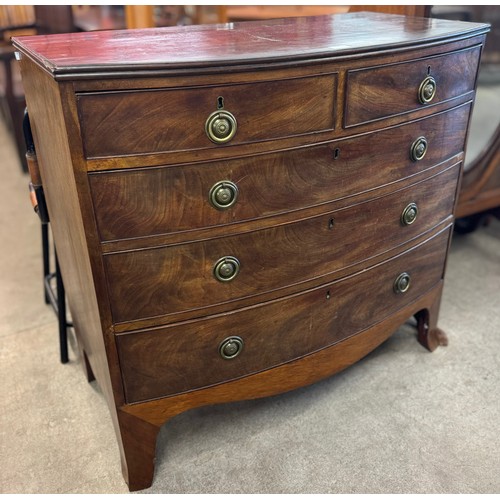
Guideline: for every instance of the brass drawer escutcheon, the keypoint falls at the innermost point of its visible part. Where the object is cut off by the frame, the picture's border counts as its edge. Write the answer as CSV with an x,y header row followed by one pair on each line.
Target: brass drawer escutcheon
x,y
418,149
427,90
226,268
409,214
221,126
223,195
231,347
402,283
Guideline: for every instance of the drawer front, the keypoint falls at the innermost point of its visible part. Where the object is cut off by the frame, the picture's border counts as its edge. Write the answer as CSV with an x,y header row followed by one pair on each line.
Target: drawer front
x,y
168,280
128,123
380,92
183,357
145,202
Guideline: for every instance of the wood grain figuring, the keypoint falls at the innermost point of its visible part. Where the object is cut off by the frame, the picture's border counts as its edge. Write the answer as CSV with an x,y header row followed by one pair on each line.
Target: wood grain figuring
x,y
154,121
289,376
268,184
327,113
376,93
247,301
185,357
283,378
224,230
140,281
261,147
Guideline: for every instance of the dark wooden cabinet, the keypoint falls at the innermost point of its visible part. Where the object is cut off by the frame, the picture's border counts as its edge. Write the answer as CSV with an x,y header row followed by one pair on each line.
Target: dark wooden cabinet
x,y
244,209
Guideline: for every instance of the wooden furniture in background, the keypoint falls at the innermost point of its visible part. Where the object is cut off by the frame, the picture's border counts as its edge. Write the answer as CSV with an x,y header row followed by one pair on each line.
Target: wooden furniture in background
x,y
100,17
14,20
235,13
406,10
94,17
12,102
240,212
23,20
16,17
207,14
51,19
139,16
480,191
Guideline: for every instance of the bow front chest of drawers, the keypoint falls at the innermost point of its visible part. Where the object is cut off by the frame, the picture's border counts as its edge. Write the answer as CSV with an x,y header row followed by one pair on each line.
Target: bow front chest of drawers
x,y
243,209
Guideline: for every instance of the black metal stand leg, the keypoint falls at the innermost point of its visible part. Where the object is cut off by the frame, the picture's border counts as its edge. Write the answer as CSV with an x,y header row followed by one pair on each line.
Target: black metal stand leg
x,y
61,315
46,256
56,300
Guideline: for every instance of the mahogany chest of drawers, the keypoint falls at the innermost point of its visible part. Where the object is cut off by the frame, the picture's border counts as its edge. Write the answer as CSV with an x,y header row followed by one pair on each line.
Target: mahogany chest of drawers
x,y
243,209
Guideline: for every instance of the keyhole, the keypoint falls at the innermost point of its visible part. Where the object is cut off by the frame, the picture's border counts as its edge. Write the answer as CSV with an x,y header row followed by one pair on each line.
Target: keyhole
x,y
336,153
331,222
220,102
428,70
328,295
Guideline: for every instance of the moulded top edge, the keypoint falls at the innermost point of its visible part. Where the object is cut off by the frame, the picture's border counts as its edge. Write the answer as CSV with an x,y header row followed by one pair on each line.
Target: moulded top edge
x,y
290,39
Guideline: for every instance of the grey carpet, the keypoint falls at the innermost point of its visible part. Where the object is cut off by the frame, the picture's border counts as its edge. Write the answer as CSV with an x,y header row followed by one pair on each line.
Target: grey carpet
x,y
400,421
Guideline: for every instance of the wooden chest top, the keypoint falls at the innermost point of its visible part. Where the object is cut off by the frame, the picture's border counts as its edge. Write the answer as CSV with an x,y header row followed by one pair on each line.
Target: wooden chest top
x,y
83,55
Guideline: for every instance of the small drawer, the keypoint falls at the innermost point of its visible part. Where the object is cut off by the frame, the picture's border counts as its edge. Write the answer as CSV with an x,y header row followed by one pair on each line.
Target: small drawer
x,y
154,201
162,281
383,91
200,353
139,122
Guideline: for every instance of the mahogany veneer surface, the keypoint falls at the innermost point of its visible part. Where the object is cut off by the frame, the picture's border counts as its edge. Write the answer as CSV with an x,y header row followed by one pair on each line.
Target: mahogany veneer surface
x,y
268,184
270,40
341,179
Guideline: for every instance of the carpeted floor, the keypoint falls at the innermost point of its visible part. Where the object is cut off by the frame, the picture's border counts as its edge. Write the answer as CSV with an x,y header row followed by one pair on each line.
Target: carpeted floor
x,y
400,421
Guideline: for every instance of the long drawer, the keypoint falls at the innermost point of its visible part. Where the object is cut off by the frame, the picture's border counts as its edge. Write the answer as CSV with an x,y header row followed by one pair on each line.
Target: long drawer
x,y
382,91
145,202
182,357
173,279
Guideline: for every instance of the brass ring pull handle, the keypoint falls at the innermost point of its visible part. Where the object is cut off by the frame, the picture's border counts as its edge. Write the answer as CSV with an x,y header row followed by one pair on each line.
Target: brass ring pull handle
x,y
427,90
402,283
223,195
418,149
409,215
226,268
221,127
231,347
